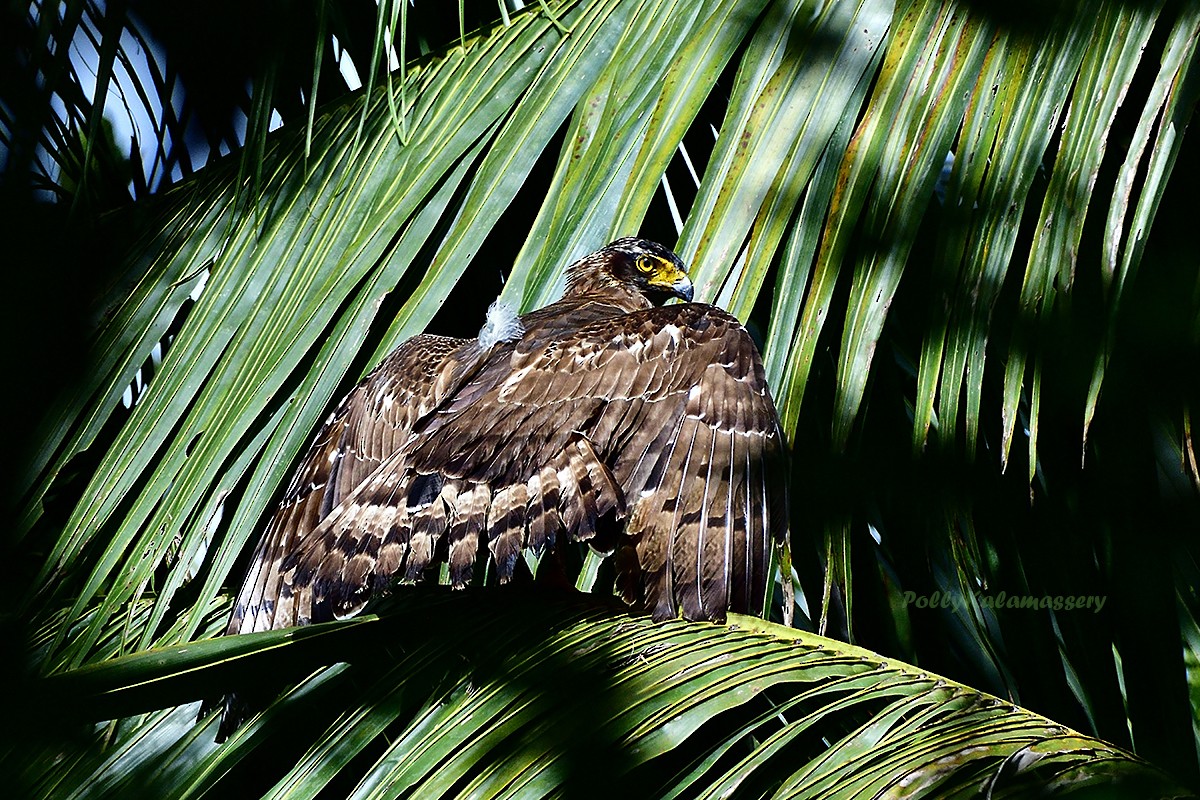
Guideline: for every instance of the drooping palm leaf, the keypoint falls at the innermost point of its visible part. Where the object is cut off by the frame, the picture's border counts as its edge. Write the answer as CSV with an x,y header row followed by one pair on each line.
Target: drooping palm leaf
x,y
513,695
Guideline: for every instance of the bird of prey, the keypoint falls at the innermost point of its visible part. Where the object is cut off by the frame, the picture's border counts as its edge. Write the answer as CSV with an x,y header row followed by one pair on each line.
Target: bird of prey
x,y
644,429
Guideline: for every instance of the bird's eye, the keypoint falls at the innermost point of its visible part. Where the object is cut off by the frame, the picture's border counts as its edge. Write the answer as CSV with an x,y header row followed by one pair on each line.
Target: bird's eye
x,y
645,264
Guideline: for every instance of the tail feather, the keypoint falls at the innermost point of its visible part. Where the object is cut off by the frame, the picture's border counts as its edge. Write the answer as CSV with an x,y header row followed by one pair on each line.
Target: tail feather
x,y
469,519
428,526
506,528
543,517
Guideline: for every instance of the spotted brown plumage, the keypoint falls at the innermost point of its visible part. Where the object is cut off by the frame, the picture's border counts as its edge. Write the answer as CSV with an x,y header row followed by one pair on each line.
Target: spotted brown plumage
x,y
605,417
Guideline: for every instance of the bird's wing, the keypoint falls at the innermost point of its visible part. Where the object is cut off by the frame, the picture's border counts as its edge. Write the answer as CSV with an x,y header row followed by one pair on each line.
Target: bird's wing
x,y
662,415
366,428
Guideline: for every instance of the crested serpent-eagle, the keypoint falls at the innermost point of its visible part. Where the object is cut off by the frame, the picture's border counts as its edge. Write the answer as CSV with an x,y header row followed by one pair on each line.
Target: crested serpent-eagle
x,y
646,430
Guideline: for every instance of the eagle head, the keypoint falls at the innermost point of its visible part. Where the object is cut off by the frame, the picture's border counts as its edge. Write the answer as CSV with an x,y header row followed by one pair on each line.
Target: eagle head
x,y
639,264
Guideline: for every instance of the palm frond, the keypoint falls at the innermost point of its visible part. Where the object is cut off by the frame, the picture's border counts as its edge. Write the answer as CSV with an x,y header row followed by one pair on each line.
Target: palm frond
x,y
481,704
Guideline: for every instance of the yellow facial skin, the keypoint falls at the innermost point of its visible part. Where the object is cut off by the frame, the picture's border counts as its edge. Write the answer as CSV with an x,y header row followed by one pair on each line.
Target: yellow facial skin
x,y
664,275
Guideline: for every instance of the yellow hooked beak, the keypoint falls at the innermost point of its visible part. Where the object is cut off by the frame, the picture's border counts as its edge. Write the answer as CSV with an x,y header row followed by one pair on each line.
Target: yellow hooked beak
x,y
670,278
